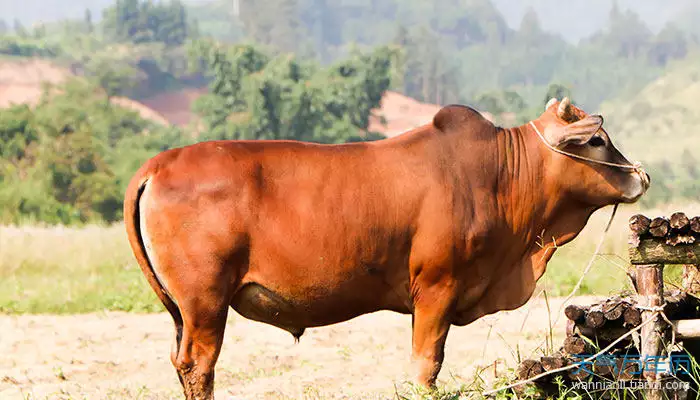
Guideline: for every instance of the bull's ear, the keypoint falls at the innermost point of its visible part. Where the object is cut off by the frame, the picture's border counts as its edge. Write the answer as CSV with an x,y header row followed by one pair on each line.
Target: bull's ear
x,y
578,133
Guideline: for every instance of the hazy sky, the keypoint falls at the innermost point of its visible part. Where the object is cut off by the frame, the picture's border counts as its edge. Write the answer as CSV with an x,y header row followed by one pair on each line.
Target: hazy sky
x,y
572,18
576,19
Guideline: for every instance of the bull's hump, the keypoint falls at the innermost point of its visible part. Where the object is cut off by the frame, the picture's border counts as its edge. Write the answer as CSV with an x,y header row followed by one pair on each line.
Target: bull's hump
x,y
458,117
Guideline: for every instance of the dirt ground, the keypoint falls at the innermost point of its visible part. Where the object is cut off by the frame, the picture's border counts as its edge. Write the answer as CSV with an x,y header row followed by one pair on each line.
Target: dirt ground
x,y
126,356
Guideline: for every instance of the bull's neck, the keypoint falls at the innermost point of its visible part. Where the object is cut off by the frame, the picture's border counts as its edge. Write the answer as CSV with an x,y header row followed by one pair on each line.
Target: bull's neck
x,y
529,200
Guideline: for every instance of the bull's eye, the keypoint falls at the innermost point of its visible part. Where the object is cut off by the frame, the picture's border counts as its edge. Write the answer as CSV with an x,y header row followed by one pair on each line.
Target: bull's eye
x,y
596,141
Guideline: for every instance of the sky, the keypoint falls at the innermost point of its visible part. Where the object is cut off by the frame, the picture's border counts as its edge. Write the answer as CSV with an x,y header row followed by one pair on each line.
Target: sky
x,y
577,19
574,19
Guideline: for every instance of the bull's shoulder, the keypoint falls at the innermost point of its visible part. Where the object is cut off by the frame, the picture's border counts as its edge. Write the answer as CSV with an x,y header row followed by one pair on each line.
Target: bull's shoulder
x,y
458,117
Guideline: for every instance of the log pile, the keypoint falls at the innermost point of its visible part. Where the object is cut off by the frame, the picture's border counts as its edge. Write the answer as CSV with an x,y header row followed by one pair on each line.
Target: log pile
x,y
673,231
664,240
593,327
654,243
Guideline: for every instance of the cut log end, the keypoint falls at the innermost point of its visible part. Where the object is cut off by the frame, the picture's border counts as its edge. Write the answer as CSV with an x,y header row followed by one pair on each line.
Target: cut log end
x,y
528,369
575,345
632,317
679,222
552,363
695,225
639,224
595,319
575,313
659,227
614,309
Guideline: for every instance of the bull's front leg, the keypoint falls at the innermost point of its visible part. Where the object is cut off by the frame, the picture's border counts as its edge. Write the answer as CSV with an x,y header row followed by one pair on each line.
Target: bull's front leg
x,y
433,307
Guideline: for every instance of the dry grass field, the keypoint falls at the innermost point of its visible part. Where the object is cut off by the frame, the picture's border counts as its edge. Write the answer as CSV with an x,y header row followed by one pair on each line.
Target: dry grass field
x,y
117,355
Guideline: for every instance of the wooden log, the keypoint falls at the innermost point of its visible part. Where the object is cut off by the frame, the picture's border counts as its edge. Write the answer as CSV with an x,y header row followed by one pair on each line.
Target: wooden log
x,y
570,328
686,328
679,223
626,369
595,318
652,251
659,227
606,335
552,363
604,368
632,317
639,224
575,313
529,369
575,345
613,309
580,372
695,225
650,295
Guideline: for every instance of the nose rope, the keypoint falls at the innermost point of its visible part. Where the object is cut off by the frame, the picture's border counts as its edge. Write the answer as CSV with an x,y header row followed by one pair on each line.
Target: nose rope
x,y
636,166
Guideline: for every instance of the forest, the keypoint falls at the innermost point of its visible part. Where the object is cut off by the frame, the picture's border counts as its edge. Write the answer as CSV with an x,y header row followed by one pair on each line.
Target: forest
x,y
308,70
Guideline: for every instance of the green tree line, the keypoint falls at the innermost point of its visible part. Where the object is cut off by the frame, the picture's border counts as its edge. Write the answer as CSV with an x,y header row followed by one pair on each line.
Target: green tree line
x,y
69,158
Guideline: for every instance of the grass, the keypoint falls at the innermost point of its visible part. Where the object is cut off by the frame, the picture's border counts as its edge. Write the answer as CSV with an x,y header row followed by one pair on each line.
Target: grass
x,y
63,270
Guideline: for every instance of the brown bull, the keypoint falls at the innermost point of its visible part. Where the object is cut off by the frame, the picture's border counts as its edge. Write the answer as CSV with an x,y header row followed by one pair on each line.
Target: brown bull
x,y
445,222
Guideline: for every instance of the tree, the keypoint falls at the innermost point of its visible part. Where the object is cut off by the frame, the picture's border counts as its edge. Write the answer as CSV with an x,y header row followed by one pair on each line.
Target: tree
x,y
530,30
115,76
144,22
19,29
671,43
274,23
68,159
556,91
626,33
256,97
428,73
89,27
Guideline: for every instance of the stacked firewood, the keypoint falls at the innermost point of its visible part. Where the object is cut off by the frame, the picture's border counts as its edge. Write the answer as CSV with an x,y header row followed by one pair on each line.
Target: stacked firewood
x,y
590,328
679,229
653,243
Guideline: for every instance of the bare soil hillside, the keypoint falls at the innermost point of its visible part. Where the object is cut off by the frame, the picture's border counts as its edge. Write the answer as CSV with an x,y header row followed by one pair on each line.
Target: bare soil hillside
x,y
22,81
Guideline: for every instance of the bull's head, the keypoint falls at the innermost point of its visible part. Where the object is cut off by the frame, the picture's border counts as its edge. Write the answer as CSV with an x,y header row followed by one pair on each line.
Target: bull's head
x,y
594,171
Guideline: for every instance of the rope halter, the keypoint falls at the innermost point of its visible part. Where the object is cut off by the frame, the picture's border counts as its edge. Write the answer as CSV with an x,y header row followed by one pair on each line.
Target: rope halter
x,y
636,166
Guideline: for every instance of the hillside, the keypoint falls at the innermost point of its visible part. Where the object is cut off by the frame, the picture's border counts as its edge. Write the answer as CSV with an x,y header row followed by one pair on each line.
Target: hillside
x,y
659,127
663,117
22,82
21,79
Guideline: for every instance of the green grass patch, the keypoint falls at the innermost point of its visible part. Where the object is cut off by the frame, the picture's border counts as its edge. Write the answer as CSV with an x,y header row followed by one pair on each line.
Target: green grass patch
x,y
62,270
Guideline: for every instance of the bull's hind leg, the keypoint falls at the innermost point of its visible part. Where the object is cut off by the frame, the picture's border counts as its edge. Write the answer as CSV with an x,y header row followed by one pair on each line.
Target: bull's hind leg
x,y
202,336
203,328
202,295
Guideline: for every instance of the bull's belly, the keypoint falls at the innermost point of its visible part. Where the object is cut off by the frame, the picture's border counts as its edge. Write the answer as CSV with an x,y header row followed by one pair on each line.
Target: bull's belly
x,y
296,313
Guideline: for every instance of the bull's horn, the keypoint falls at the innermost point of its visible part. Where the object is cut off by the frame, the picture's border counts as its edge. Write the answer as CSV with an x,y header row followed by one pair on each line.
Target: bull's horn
x,y
564,108
550,103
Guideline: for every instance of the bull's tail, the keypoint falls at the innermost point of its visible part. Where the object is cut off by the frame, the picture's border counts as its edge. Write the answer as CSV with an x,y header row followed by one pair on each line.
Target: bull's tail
x,y
132,221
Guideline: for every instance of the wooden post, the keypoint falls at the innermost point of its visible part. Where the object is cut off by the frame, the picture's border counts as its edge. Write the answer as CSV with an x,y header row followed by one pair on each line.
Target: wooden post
x,y
651,294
